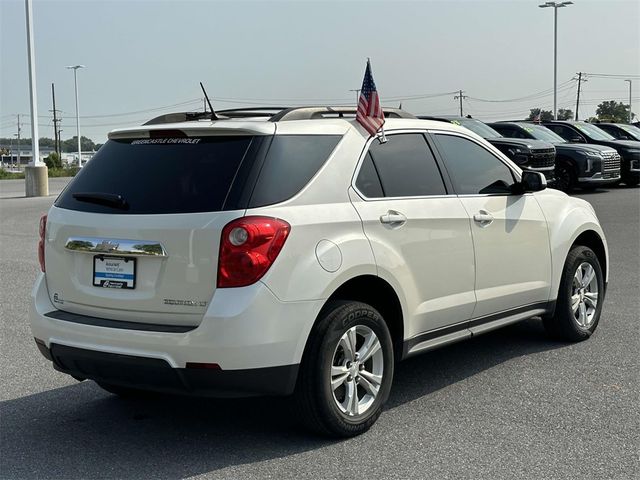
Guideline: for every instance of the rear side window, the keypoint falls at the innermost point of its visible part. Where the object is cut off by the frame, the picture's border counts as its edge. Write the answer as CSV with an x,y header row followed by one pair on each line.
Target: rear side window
x,y
160,175
406,167
473,169
368,181
291,161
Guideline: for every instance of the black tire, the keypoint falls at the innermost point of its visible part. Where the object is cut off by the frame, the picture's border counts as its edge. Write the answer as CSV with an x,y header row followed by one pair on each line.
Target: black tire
x,y
314,398
630,181
565,177
124,392
563,324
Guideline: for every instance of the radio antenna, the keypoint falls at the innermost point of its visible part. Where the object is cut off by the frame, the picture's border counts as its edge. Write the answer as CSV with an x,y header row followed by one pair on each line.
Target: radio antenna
x,y
213,113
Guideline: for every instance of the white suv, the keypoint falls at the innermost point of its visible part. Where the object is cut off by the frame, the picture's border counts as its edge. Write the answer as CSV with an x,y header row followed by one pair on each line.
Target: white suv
x,y
288,252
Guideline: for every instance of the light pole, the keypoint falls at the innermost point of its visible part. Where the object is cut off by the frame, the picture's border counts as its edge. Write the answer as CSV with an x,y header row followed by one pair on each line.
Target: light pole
x,y
630,114
556,6
75,81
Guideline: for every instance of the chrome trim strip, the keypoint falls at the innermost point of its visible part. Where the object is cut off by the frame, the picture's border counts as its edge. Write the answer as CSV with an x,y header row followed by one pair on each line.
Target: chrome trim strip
x,y
363,154
598,180
116,246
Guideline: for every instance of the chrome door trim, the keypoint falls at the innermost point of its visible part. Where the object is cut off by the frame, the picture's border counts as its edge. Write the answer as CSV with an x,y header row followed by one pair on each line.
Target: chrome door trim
x,y
116,246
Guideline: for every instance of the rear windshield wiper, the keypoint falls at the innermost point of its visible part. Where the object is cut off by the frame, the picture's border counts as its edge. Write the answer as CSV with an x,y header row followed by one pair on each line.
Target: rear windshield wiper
x,y
106,199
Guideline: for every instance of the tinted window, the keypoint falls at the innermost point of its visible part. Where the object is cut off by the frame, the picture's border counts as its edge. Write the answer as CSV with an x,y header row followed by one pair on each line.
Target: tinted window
x,y
543,133
614,132
592,131
406,166
565,132
289,165
472,168
510,132
160,175
477,127
368,181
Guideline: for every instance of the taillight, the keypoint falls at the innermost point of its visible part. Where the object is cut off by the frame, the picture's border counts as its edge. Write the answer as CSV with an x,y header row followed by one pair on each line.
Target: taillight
x,y
42,230
248,247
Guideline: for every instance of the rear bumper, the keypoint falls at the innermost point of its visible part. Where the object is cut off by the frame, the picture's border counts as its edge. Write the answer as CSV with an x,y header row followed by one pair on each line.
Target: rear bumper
x,y
256,339
157,375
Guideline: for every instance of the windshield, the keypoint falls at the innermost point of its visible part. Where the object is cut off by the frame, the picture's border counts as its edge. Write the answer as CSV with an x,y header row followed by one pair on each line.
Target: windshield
x,y
543,133
476,126
631,130
593,132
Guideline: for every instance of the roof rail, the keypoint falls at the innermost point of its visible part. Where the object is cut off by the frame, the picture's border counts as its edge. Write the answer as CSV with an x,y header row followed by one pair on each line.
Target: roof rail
x,y
312,113
273,114
251,112
435,118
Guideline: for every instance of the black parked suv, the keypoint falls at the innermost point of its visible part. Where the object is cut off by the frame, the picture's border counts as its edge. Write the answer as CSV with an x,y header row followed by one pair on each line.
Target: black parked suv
x,y
583,132
527,154
620,131
587,166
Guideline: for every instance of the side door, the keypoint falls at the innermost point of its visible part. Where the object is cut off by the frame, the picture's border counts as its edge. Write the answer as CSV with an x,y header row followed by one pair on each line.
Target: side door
x,y
418,230
510,235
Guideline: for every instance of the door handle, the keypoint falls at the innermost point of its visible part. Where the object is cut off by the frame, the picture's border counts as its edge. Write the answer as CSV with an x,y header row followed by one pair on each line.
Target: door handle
x,y
483,218
393,218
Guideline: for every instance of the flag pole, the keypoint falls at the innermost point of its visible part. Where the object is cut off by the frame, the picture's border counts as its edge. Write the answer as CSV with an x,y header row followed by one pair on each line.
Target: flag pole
x,y
382,138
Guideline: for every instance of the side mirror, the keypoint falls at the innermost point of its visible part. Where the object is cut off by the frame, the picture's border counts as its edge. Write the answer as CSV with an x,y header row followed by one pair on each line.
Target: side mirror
x,y
577,139
531,182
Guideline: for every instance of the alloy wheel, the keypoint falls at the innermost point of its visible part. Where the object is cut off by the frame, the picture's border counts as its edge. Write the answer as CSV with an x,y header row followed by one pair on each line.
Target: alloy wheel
x,y
356,370
584,295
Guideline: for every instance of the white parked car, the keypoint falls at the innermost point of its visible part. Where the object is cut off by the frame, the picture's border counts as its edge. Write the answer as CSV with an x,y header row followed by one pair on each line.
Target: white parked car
x,y
290,253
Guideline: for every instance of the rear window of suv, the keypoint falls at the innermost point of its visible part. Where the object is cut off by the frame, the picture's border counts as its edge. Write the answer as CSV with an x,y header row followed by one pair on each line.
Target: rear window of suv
x,y
196,174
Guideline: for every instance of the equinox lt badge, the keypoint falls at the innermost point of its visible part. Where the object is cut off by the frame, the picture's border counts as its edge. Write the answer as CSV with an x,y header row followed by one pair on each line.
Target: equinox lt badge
x,y
186,303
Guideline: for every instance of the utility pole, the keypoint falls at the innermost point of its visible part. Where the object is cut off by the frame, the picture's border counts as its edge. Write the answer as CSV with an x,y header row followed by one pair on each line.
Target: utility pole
x,y
461,96
630,113
56,138
578,97
19,149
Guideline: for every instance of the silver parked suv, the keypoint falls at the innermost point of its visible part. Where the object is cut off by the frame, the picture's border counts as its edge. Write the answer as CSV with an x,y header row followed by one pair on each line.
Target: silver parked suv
x,y
288,252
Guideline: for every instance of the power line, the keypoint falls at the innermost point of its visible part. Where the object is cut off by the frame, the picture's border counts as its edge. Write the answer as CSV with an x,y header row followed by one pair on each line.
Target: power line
x,y
611,75
543,93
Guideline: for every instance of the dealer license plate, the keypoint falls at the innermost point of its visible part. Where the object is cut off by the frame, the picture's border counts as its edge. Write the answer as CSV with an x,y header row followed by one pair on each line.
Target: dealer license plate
x,y
114,272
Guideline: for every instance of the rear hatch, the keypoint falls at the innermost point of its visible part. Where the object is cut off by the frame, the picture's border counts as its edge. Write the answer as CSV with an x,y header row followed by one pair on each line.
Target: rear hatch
x,y
135,236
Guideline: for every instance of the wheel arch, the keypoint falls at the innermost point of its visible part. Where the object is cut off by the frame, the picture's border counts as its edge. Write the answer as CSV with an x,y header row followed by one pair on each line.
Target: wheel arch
x,y
378,293
592,240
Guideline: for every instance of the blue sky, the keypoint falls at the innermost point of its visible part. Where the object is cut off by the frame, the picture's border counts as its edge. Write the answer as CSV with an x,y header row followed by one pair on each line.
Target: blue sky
x,y
143,55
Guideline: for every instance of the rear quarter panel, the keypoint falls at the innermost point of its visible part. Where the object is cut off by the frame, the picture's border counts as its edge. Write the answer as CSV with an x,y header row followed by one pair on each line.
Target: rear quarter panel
x,y
321,212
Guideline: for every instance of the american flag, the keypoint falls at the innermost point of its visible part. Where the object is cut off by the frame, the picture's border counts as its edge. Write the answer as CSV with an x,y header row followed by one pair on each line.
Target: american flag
x,y
369,113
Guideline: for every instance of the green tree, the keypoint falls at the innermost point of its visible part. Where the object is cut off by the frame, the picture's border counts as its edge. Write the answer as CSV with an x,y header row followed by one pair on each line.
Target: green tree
x,y
47,142
71,145
53,161
544,114
610,110
565,114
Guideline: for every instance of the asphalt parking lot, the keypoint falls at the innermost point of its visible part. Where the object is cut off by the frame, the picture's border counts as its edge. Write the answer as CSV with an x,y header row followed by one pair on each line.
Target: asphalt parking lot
x,y
510,404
